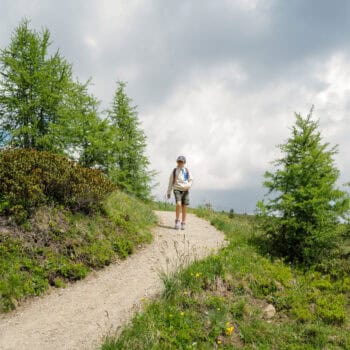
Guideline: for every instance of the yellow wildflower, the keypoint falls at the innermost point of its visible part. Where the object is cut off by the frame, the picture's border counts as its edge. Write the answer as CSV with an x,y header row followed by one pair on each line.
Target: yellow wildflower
x,y
219,341
182,313
218,309
229,330
198,274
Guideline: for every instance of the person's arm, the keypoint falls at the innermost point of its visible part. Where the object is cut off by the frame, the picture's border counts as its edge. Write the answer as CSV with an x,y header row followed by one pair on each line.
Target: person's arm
x,y
190,180
170,185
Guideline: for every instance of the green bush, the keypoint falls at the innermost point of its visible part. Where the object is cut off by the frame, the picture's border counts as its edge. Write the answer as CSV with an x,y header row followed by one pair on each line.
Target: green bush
x,y
30,179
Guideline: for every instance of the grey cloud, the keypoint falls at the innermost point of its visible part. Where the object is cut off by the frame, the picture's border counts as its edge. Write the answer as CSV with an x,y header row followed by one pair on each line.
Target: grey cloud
x,y
174,52
165,40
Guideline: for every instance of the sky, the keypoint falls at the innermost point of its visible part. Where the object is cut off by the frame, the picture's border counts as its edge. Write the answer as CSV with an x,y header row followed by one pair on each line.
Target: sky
x,y
218,81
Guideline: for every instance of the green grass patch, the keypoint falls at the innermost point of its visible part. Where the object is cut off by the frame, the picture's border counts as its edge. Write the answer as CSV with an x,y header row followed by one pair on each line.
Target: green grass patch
x,y
219,302
168,206
56,246
163,206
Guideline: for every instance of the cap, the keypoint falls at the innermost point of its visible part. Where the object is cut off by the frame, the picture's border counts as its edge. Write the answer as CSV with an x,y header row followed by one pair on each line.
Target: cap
x,y
181,159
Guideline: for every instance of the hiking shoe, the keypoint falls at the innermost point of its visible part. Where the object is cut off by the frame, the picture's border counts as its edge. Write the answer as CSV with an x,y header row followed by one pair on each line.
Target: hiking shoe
x,y
183,225
177,224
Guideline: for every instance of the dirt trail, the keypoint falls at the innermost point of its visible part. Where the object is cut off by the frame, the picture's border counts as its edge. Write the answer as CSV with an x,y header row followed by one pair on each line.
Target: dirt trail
x,y
78,316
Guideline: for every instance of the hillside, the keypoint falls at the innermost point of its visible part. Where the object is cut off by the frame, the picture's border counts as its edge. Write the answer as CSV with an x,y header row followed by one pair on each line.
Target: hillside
x,y
242,299
80,315
59,221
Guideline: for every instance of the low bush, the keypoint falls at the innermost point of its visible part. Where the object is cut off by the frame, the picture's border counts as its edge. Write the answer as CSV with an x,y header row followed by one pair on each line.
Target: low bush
x,y
30,179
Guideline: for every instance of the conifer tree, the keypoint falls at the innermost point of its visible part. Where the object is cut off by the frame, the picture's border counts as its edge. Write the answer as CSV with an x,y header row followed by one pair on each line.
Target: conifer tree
x,y
301,213
42,107
81,133
130,171
32,87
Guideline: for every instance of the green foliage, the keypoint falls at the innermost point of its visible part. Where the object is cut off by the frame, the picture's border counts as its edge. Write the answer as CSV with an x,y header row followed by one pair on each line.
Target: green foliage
x,y
43,108
231,214
81,133
32,178
130,169
163,206
131,215
61,246
300,221
201,303
32,87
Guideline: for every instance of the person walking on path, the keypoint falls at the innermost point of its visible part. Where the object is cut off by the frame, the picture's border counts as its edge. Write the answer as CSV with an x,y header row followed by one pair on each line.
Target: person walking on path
x,y
180,182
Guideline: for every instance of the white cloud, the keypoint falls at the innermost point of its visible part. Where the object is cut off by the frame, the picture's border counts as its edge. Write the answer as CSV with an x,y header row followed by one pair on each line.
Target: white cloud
x,y
333,100
90,42
247,4
230,134
216,80
333,104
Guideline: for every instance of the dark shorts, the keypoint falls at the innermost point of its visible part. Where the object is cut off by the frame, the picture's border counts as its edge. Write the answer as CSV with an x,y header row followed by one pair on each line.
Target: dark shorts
x,y
182,196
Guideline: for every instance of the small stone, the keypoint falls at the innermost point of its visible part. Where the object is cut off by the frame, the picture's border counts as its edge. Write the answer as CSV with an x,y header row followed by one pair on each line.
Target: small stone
x,y
269,311
279,285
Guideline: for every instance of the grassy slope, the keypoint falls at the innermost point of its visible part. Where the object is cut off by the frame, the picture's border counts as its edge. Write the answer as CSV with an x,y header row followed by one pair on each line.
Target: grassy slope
x,y
57,246
218,303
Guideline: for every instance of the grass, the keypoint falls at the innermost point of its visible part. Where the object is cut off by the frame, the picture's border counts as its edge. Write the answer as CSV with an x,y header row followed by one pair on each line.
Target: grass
x,y
56,246
219,302
163,206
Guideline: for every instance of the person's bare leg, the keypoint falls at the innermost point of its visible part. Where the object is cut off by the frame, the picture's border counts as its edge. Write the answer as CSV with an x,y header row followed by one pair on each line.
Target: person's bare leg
x,y
184,208
183,222
178,210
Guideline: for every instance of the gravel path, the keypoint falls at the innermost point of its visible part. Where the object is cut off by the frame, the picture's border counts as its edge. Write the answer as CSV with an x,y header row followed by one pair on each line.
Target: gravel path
x,y
78,316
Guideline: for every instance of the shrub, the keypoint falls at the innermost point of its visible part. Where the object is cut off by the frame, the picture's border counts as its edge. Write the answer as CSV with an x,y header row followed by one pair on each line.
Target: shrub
x,y
30,179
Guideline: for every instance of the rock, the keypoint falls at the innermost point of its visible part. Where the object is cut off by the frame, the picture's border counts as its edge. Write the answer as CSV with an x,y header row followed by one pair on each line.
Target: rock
x,y
279,285
269,311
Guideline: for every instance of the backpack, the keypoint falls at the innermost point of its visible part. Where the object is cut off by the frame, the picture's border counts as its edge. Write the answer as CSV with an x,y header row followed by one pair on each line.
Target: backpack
x,y
174,174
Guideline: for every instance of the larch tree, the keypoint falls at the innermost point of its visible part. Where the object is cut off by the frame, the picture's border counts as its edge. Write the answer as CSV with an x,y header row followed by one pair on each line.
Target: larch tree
x,y
301,213
32,87
130,171
42,107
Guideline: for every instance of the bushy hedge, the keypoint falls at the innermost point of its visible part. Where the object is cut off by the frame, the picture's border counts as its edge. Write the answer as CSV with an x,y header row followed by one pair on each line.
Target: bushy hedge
x,y
30,178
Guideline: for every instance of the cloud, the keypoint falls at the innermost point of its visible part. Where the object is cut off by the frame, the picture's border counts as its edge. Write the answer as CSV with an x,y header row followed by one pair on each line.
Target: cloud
x,y
230,135
216,80
90,42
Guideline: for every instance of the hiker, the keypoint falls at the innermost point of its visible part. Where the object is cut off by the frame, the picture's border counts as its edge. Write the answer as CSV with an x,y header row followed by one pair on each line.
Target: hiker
x,y
180,181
